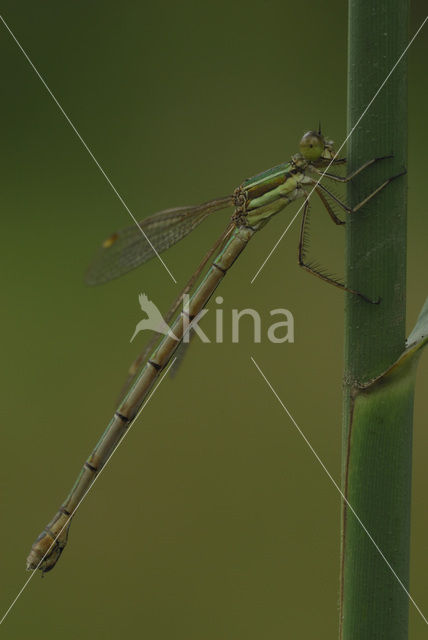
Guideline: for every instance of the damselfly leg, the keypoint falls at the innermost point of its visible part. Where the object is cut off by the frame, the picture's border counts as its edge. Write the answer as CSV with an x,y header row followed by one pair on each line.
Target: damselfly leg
x,y
324,194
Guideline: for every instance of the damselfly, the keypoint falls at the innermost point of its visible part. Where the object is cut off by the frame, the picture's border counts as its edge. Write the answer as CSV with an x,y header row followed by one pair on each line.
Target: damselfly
x,y
255,202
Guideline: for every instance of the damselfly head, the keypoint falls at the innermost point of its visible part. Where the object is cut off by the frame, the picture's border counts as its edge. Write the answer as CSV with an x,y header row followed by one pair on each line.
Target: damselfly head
x,y
314,147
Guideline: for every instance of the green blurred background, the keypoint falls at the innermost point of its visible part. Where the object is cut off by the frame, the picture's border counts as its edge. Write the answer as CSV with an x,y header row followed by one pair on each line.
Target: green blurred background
x,y
213,519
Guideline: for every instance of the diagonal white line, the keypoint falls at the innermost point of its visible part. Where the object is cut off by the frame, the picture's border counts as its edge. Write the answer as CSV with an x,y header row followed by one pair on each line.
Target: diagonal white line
x,y
341,147
378,549
14,601
121,200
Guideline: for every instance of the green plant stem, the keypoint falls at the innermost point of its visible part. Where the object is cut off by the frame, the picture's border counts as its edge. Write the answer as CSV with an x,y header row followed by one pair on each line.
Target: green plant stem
x,y
376,468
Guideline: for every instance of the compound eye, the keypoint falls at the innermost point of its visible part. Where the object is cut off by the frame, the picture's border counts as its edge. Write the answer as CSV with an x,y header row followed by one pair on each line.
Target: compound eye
x,y
312,145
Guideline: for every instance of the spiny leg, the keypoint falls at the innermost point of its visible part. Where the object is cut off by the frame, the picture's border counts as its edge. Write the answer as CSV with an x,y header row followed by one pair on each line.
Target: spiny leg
x,y
328,207
337,161
312,269
354,173
365,200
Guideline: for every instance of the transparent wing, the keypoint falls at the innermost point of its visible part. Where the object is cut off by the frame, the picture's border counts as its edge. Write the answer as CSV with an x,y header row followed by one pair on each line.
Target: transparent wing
x,y
130,247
